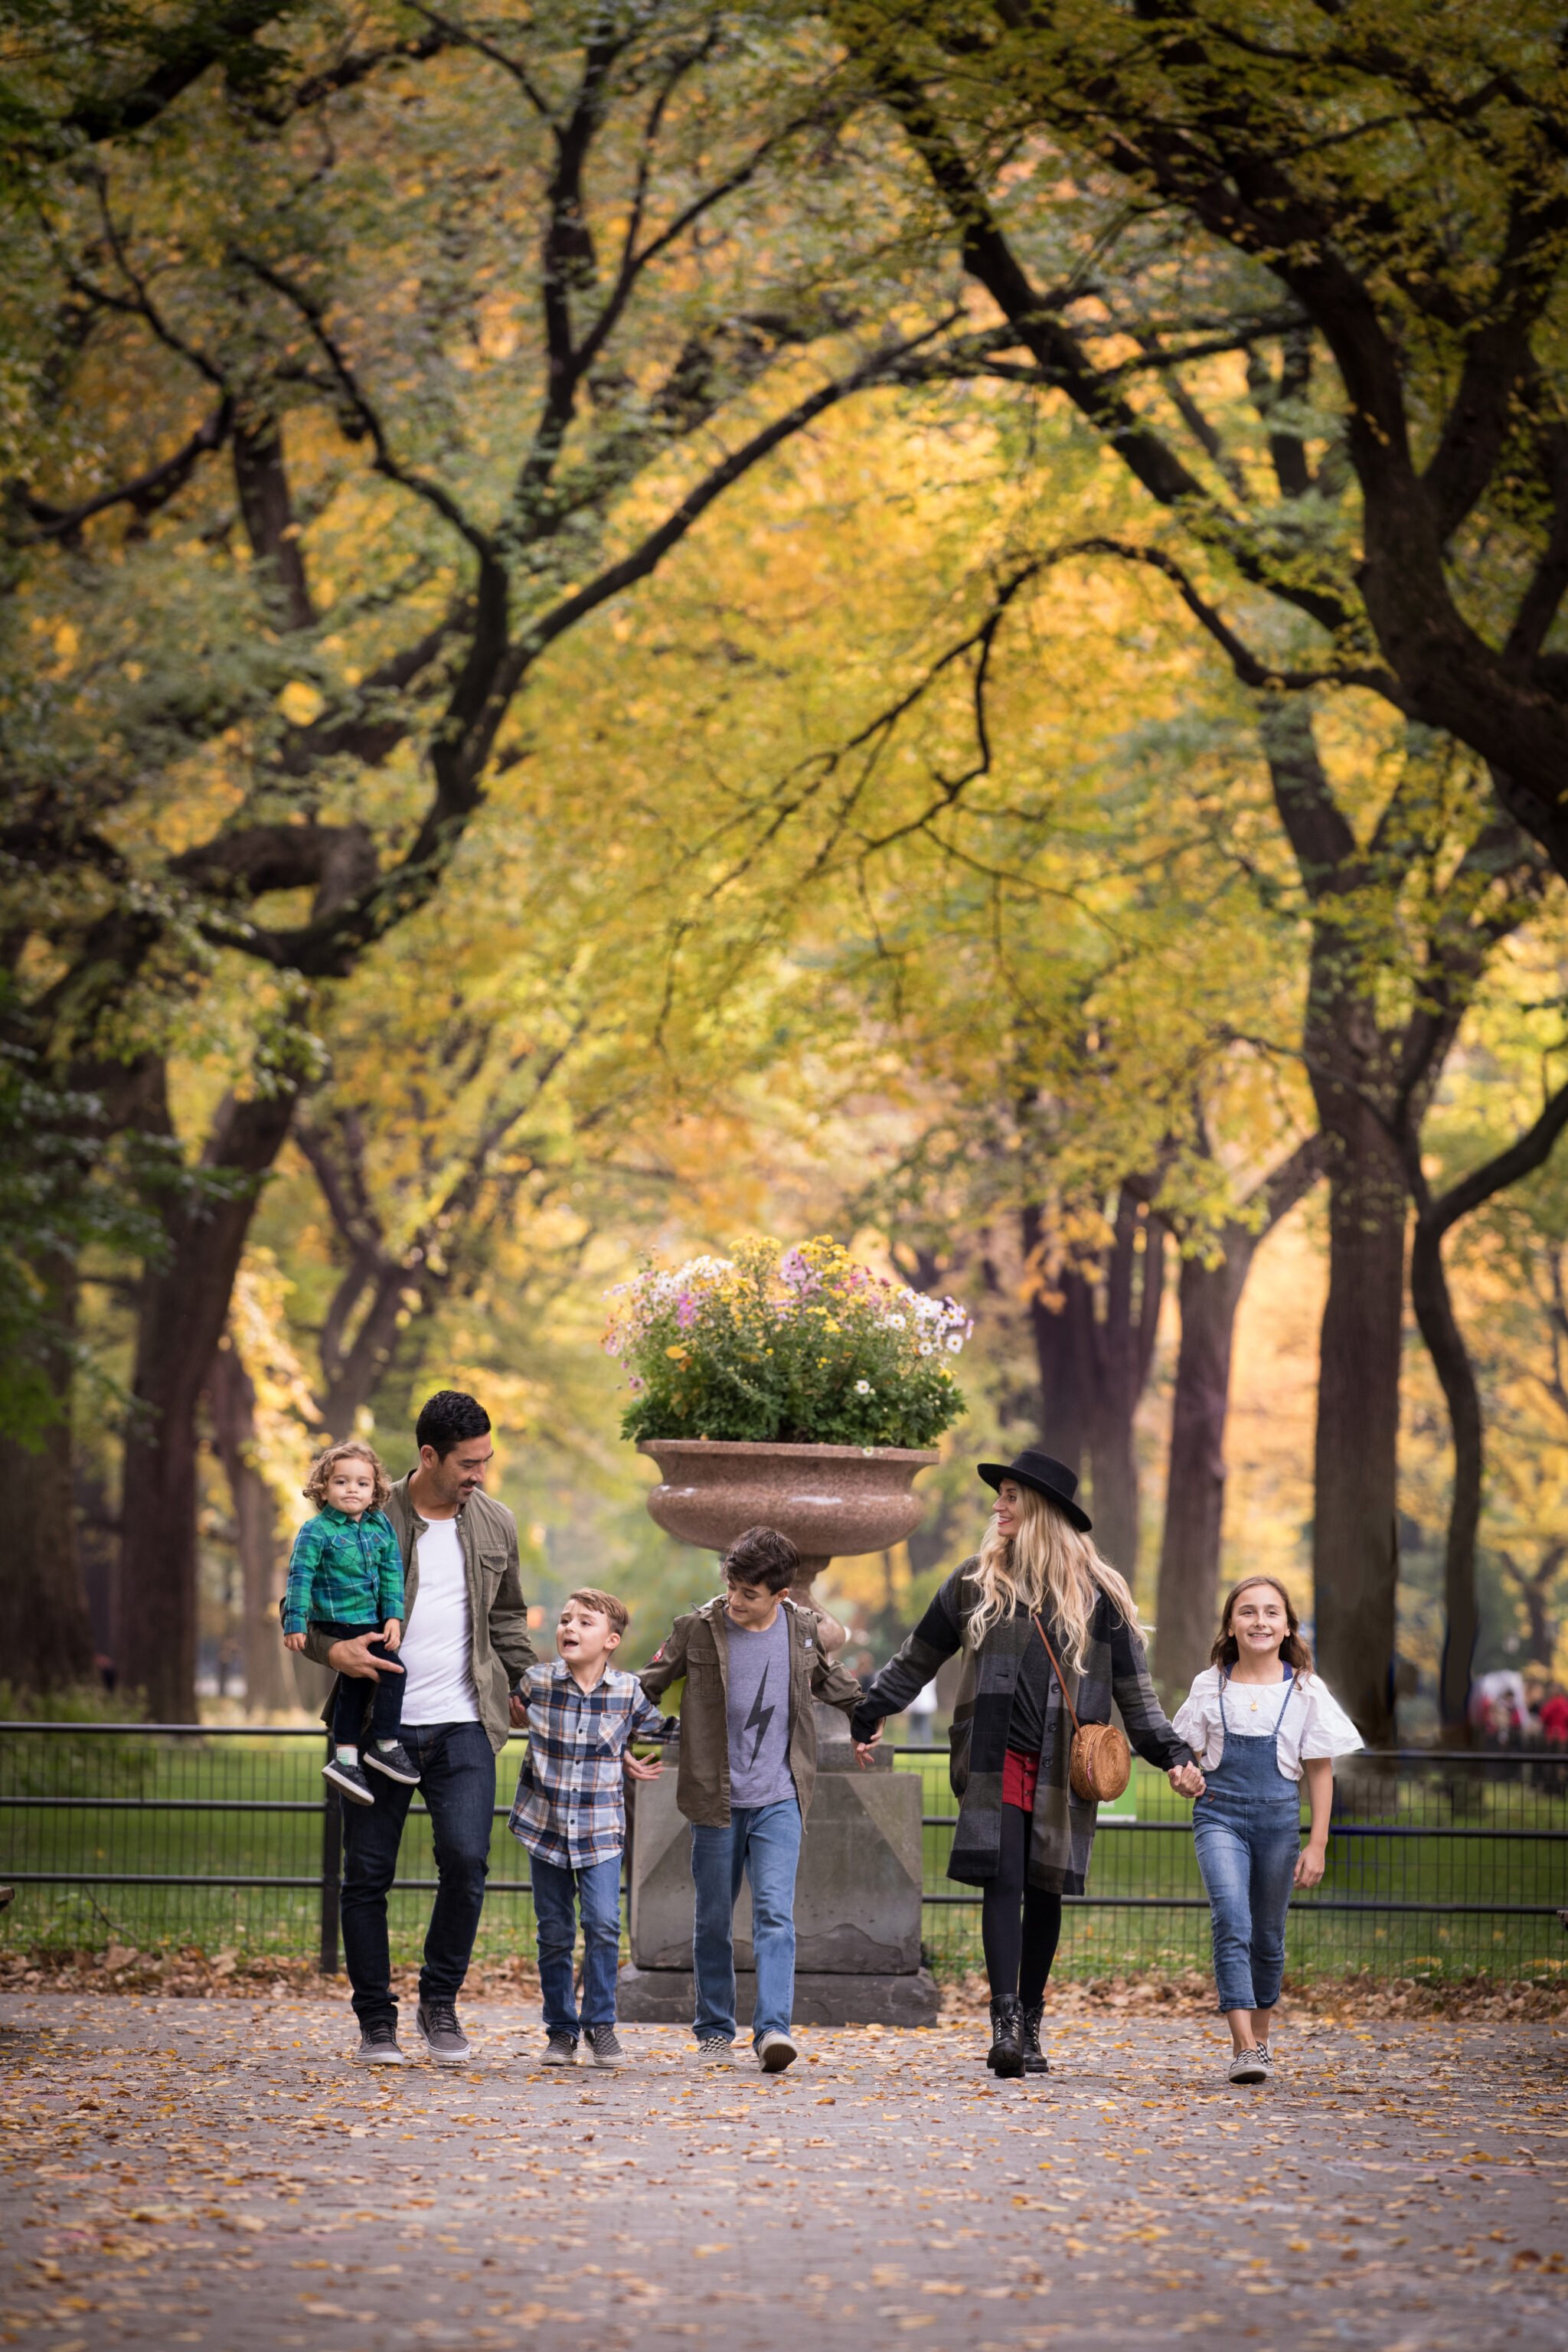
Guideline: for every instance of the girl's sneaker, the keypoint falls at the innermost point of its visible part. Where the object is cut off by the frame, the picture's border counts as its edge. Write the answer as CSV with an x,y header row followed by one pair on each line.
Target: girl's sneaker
x,y
1267,2056
395,1762
350,1780
1250,2066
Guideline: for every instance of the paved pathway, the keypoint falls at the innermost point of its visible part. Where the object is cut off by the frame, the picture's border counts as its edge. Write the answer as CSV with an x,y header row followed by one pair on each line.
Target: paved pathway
x,y
211,2173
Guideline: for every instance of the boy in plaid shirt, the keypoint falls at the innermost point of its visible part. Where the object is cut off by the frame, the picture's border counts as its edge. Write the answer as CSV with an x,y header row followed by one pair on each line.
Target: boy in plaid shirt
x,y
571,1814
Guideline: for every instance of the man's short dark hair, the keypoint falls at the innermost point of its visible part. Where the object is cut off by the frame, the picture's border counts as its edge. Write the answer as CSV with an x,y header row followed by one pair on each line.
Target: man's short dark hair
x,y
447,1419
762,1556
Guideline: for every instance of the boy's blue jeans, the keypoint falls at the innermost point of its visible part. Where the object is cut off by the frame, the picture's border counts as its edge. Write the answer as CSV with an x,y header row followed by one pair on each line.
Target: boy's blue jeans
x,y
762,1843
558,1890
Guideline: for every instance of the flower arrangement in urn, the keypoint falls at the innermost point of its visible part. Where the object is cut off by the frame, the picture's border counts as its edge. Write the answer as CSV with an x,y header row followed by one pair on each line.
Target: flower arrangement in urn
x,y
796,1346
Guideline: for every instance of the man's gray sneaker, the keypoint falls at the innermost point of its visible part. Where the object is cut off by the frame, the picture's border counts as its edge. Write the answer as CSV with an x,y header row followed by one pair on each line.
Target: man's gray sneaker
x,y
350,1780
395,1762
436,2025
775,2052
714,2050
1250,2066
378,2047
561,2050
604,2047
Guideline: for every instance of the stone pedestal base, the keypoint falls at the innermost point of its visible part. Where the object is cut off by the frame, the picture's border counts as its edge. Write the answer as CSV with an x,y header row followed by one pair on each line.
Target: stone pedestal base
x,y
667,1996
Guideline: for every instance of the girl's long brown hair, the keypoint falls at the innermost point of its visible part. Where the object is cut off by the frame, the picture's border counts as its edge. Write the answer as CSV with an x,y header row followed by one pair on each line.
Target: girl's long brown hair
x,y
1293,1650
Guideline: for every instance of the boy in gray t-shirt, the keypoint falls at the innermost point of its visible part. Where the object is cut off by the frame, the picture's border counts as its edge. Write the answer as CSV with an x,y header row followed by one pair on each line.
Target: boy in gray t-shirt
x,y
752,1663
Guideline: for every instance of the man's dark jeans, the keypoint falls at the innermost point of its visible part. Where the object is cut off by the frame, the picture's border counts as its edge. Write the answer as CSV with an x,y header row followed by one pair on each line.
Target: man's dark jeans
x,y
457,1781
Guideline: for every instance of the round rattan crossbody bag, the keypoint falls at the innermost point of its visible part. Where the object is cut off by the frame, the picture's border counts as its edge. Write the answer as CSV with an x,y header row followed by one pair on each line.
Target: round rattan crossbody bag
x,y
1101,1762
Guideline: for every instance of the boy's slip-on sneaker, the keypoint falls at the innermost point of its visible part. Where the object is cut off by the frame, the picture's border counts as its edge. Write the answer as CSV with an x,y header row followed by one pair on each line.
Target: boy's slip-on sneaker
x,y
775,2052
561,2050
436,2023
714,2050
604,2045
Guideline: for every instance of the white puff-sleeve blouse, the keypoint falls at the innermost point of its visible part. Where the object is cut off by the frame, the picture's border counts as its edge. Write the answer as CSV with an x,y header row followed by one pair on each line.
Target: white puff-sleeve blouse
x,y
1313,1723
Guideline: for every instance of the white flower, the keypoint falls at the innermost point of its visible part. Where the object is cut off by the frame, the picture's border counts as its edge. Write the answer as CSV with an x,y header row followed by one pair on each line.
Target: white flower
x,y
864,1388
927,1349
955,1344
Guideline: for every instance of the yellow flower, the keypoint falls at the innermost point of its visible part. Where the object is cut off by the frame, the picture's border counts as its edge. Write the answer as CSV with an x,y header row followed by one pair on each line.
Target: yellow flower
x,y
678,1353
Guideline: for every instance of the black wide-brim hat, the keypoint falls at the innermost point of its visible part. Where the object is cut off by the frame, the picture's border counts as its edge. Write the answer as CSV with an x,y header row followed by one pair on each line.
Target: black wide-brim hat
x,y
1048,1477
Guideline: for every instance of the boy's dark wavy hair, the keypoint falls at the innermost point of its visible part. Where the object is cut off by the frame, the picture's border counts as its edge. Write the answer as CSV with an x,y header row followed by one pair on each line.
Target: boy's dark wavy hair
x,y
762,1556
1292,1649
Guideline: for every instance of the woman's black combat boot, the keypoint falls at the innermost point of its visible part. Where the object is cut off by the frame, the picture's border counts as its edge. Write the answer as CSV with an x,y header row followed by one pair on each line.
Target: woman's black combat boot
x,y
1034,2059
1005,2056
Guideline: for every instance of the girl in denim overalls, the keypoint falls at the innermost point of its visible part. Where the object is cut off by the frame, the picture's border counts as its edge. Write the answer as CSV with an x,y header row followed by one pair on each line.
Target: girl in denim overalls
x,y
1259,1721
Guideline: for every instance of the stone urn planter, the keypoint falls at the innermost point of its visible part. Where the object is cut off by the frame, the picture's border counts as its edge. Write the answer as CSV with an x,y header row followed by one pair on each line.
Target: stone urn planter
x,y
857,1900
827,1500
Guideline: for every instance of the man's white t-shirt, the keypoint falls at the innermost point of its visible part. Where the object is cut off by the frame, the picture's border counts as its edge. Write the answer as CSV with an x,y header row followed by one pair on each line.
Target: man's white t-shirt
x,y
437,1650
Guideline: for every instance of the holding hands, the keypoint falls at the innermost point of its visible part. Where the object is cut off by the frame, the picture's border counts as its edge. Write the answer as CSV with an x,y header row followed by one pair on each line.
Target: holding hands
x,y
1187,1781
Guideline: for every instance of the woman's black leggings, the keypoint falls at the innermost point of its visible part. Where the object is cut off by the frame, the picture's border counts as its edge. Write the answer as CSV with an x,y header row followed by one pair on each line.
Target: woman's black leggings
x,y
1019,1924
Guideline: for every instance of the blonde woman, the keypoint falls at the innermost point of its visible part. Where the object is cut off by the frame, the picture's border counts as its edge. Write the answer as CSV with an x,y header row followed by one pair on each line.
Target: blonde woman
x,y
1023,1837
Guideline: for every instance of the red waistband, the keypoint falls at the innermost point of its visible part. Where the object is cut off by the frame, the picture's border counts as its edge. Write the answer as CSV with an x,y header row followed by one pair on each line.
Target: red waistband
x,y
1019,1774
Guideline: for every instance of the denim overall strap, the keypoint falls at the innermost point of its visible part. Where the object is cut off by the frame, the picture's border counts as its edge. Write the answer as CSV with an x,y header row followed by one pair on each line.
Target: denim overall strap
x,y
1252,1765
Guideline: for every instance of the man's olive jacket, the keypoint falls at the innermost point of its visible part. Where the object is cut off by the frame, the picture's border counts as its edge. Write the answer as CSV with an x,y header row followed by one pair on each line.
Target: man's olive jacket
x,y
697,1650
501,1652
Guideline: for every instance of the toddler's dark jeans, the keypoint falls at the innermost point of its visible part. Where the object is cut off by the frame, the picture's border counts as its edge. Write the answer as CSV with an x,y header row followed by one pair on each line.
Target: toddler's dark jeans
x,y
348,1705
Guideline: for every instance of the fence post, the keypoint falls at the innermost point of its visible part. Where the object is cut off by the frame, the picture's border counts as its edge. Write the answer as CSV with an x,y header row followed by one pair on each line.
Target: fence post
x,y
332,1870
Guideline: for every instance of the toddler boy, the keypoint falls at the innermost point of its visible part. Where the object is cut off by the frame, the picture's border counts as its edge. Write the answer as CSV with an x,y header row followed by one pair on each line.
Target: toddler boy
x,y
752,1663
570,1812
345,1578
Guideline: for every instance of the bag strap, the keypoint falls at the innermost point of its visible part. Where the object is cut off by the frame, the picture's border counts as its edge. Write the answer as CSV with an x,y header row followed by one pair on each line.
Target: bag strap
x,y
1060,1677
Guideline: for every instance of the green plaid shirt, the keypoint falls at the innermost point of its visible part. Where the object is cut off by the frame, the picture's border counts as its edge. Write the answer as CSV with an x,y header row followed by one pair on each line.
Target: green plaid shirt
x,y
344,1571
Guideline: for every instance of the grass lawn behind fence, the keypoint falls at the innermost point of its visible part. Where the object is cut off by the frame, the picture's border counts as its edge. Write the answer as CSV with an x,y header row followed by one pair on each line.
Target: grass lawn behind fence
x,y
94,1810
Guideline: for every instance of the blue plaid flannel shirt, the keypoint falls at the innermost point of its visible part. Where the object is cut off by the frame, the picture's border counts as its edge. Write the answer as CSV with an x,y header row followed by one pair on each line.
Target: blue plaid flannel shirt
x,y
571,1806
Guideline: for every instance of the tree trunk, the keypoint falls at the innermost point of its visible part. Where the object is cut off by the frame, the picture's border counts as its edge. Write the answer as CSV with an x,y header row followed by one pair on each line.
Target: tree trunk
x,y
1186,1607
183,1308
1434,1308
231,1399
1094,1366
1355,1557
1063,1334
45,1637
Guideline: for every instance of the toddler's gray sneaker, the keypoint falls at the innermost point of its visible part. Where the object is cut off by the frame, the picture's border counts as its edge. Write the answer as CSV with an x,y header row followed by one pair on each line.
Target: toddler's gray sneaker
x,y
350,1780
395,1762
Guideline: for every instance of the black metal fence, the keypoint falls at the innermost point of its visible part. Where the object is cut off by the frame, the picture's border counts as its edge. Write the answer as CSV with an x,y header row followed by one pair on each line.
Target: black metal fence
x,y
225,1838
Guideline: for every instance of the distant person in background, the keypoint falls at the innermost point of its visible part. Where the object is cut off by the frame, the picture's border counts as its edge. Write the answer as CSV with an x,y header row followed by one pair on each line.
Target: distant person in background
x,y
1499,1709
921,1712
1554,1717
1260,1720
465,1651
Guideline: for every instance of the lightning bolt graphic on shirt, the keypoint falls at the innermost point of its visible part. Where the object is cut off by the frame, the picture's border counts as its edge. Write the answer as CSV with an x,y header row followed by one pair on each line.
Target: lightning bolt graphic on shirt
x,y
760,1716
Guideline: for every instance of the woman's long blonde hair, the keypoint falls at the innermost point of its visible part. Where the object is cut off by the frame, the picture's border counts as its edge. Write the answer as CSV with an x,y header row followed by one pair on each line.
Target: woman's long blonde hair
x,y
1047,1563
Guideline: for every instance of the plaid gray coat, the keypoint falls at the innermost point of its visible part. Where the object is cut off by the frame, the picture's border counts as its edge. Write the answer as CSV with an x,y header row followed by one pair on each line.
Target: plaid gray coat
x,y
1115,1667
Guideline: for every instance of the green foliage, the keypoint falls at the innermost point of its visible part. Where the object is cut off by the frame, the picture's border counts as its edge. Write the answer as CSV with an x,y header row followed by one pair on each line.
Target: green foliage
x,y
797,1347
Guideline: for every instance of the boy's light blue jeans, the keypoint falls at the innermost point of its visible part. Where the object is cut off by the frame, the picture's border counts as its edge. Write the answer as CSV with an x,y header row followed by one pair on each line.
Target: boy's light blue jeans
x,y
762,1843
597,1889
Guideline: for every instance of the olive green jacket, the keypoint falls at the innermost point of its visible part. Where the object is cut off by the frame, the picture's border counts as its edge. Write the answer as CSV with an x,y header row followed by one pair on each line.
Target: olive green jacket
x,y
501,1652
697,1651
